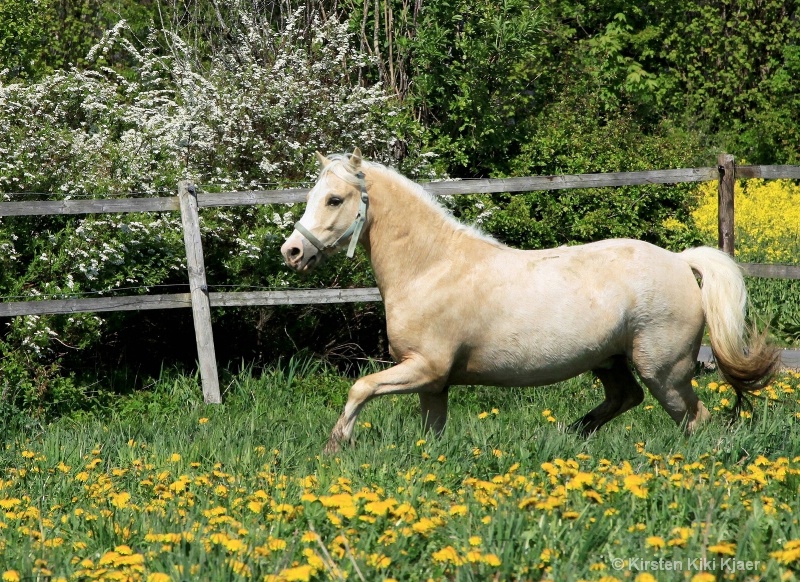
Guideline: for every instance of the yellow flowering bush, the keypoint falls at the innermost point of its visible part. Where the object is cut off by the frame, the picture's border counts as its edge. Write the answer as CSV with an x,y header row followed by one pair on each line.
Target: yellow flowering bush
x,y
766,219
767,230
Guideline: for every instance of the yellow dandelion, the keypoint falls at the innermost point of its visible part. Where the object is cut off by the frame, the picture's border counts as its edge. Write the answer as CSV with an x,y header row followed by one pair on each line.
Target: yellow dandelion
x,y
789,554
635,484
448,554
203,420
655,542
378,561
483,415
297,574
11,576
380,508
120,500
725,548
424,526
255,506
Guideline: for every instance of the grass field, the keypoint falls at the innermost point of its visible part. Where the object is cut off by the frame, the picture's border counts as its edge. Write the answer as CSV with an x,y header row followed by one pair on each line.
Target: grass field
x,y
162,487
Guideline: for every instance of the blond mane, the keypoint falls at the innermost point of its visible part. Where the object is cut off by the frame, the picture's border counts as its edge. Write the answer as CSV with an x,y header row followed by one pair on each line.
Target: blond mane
x,y
341,168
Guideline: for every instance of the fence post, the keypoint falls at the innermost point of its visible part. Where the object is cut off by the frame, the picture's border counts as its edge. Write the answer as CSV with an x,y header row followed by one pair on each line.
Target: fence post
x,y
201,306
726,185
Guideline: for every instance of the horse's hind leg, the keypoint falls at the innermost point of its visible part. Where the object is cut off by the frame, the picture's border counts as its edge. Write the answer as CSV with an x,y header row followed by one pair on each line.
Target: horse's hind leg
x,y
672,387
433,406
622,393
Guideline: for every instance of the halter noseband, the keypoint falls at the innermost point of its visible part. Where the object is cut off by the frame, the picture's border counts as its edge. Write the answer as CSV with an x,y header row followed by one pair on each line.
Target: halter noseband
x,y
353,231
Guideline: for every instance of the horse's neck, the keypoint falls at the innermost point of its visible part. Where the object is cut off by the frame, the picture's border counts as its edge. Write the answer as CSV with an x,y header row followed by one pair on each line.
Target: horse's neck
x,y
407,236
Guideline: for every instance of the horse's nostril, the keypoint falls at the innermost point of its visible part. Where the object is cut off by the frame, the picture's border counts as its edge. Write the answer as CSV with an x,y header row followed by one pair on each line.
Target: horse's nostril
x,y
294,251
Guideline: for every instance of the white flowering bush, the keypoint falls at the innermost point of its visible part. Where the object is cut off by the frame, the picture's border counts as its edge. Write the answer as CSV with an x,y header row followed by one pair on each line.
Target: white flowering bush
x,y
249,116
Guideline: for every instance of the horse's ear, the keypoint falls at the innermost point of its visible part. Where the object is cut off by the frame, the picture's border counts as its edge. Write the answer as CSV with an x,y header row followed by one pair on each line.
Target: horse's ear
x,y
355,159
323,161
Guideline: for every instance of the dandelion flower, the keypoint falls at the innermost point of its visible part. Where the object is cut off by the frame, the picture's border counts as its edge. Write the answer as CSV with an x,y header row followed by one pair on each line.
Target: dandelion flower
x,y
448,554
635,484
726,548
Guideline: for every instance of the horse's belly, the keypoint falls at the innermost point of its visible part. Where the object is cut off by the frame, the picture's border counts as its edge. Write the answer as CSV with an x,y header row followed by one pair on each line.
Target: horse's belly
x,y
501,368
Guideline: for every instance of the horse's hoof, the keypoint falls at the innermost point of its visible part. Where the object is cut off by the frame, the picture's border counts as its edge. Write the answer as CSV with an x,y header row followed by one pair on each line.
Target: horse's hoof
x,y
331,448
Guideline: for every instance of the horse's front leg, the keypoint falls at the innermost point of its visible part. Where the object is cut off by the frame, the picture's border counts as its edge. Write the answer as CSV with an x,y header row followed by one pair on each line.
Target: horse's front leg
x,y
411,375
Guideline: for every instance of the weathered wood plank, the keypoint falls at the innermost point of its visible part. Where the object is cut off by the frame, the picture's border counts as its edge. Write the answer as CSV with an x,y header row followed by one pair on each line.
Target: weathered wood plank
x,y
769,172
184,300
487,186
789,357
295,297
95,305
201,306
534,183
771,271
211,199
95,206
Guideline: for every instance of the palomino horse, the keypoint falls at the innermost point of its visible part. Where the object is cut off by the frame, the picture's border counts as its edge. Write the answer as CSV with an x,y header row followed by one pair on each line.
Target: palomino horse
x,y
462,308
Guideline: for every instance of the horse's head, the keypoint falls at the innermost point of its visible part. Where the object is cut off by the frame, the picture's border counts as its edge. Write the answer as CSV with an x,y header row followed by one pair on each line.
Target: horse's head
x,y
335,213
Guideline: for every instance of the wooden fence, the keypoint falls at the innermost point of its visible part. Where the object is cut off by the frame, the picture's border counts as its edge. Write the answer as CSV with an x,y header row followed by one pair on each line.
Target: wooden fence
x,y
188,201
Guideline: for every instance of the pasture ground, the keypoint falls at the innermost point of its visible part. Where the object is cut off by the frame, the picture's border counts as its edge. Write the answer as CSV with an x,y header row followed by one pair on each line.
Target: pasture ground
x,y
161,487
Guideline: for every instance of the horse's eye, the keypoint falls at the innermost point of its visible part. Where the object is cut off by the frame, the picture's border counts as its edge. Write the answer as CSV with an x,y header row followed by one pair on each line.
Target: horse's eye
x,y
334,201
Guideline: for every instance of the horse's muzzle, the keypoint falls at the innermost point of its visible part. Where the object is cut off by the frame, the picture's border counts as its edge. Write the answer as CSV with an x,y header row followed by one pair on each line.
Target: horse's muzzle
x,y
298,255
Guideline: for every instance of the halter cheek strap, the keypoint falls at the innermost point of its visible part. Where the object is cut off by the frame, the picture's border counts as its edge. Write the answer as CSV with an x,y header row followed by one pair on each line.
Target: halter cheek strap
x,y
353,231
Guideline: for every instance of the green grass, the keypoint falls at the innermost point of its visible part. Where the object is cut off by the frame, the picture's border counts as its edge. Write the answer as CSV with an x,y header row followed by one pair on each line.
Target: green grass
x,y
777,302
527,498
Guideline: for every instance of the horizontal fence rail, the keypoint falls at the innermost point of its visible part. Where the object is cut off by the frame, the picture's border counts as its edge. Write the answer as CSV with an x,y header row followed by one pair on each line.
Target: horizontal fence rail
x,y
200,299
94,206
180,300
447,188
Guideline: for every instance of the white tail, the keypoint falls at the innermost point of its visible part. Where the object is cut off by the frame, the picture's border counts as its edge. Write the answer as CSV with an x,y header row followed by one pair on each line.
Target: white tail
x,y
745,360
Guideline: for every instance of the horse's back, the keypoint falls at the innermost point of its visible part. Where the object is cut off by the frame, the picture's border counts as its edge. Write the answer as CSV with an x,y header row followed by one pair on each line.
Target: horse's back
x,y
542,316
